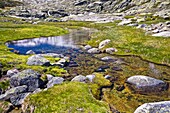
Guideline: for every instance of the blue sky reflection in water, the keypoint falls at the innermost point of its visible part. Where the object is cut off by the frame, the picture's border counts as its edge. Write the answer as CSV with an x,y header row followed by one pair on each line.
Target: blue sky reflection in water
x,y
58,44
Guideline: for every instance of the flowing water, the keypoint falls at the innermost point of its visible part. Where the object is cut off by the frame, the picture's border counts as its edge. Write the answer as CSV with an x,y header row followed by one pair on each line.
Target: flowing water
x,y
120,68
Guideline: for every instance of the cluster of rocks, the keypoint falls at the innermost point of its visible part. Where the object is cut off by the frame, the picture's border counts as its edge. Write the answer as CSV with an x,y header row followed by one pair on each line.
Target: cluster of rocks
x,y
161,29
39,59
100,48
61,8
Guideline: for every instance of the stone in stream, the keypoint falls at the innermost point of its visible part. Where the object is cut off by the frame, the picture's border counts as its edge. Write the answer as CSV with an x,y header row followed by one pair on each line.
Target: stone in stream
x,y
111,50
94,51
38,60
155,107
79,78
102,68
28,77
104,43
73,64
87,47
11,72
30,52
144,84
18,99
55,80
13,92
107,59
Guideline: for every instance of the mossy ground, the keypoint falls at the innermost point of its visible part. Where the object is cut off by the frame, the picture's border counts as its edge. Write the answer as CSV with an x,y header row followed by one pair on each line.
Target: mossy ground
x,y
70,97
128,40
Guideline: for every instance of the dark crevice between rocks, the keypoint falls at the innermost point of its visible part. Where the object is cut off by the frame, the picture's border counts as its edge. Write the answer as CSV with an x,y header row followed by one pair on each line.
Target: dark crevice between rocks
x,y
104,87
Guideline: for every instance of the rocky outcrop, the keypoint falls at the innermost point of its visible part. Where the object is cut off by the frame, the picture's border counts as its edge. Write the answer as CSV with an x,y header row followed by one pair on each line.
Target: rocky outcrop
x,y
156,107
28,77
79,78
144,84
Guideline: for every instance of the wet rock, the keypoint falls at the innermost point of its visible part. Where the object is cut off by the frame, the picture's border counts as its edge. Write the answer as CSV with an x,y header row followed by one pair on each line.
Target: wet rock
x,y
49,77
38,60
18,99
62,63
79,78
111,50
125,22
107,59
104,43
144,84
117,69
90,77
13,91
87,47
28,77
30,52
12,72
54,81
162,34
94,51
156,107
100,70
73,64
107,77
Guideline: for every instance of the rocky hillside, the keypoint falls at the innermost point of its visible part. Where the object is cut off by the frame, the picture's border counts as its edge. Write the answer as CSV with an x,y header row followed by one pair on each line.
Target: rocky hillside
x,y
8,3
60,8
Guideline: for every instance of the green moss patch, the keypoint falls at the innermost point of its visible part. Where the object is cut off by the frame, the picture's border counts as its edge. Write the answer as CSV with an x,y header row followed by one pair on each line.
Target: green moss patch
x,y
69,97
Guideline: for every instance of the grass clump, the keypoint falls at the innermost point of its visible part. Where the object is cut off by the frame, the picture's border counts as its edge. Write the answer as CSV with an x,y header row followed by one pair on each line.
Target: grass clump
x,y
4,85
71,97
136,42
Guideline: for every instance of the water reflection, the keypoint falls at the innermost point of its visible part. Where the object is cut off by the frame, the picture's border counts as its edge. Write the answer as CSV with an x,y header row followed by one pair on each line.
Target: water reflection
x,y
56,44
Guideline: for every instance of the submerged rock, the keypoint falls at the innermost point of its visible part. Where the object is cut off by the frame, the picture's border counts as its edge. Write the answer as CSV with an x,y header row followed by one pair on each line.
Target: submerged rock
x,y
144,84
28,77
38,60
156,107
104,43
55,80
94,51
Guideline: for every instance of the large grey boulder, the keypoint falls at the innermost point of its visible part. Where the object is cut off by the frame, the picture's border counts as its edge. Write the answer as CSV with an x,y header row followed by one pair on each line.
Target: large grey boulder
x,y
19,99
54,81
156,107
162,34
144,84
38,60
28,77
79,78
104,43
94,51
13,92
